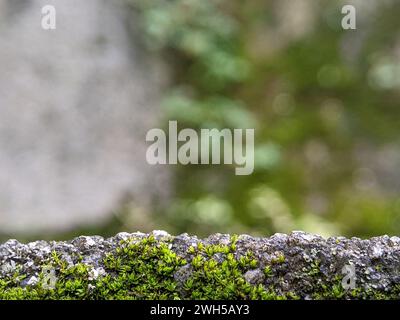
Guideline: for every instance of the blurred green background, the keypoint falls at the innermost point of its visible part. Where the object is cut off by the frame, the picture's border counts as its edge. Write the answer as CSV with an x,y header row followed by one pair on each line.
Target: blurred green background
x,y
324,102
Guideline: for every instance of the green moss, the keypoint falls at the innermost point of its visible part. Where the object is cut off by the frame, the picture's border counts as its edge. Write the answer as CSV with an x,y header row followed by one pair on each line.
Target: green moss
x,y
335,291
268,271
279,259
314,268
148,269
212,279
332,289
145,269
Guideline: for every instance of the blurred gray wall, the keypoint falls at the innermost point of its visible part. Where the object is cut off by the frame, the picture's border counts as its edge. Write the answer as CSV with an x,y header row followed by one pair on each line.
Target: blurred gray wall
x,y
75,105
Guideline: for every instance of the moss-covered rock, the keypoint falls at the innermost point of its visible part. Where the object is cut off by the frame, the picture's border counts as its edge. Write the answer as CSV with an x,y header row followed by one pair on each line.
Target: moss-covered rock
x,y
161,266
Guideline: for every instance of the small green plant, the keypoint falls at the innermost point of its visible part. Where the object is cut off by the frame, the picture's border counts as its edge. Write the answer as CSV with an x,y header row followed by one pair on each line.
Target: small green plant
x,y
278,259
268,271
314,268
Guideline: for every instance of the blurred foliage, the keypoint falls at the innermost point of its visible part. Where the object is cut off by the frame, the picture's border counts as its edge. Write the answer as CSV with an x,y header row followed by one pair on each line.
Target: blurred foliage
x,y
315,94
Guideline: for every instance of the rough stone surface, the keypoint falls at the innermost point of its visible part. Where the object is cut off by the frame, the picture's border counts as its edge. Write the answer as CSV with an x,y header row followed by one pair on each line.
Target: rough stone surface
x,y
75,105
299,262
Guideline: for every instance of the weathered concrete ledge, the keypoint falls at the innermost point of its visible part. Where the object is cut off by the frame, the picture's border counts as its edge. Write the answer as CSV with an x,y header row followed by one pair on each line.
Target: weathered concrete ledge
x,y
158,265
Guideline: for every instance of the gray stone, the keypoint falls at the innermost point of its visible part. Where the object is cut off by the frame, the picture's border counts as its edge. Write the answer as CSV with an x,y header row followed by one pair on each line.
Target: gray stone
x,y
255,276
310,262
